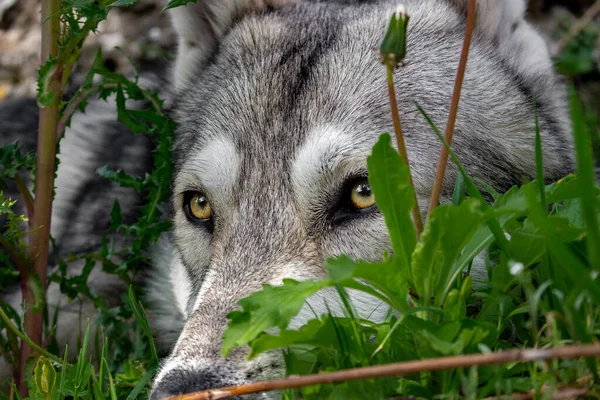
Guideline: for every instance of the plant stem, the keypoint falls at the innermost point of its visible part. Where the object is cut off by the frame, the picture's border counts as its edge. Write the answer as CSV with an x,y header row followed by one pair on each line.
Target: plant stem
x,y
10,326
398,369
68,112
46,154
75,102
417,219
460,75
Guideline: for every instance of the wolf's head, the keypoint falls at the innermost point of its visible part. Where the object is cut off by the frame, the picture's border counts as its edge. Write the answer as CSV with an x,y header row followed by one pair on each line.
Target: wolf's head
x,y
278,105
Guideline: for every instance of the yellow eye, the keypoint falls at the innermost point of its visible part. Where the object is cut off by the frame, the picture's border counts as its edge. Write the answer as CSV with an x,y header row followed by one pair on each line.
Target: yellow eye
x,y
199,206
361,195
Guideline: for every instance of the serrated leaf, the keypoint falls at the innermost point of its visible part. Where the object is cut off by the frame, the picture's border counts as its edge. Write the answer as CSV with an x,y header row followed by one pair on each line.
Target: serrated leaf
x,y
120,177
273,306
13,161
448,229
44,96
389,178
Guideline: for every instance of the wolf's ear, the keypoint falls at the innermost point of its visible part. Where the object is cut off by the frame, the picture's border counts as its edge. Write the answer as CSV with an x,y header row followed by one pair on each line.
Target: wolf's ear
x,y
201,24
503,22
497,19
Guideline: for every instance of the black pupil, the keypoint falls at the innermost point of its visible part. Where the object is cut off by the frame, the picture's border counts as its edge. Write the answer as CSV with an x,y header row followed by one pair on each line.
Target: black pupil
x,y
363,190
201,201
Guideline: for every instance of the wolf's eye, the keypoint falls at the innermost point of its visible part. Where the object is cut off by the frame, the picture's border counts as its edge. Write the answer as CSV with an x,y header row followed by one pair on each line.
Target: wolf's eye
x,y
361,195
355,200
198,206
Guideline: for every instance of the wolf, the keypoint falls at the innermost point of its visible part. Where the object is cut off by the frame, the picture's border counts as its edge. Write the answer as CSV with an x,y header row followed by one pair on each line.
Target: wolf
x,y
278,104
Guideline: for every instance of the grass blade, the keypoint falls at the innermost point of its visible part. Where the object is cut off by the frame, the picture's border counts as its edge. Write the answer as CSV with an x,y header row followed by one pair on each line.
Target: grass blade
x,y
539,160
140,317
459,190
473,191
142,382
587,180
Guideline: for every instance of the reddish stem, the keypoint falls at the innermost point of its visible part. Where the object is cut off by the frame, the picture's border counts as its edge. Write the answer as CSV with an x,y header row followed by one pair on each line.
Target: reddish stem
x,y
417,219
460,75
42,207
398,369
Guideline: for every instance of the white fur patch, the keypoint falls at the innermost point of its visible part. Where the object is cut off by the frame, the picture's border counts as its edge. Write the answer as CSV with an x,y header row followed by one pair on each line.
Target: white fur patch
x,y
181,284
327,152
215,168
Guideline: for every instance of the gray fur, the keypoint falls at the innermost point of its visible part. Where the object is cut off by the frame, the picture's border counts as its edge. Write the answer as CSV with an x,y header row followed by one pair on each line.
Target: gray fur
x,y
278,107
278,104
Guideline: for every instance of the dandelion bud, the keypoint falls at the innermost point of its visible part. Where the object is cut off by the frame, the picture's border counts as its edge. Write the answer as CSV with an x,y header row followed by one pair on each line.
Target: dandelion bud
x,y
393,47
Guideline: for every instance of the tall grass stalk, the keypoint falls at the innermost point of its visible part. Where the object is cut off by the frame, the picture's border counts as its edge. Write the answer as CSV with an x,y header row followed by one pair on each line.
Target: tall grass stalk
x,y
458,83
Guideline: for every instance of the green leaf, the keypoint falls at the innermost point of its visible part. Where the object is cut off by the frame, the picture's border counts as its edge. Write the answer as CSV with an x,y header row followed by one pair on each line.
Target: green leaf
x,y
389,178
120,177
142,320
454,306
570,210
527,244
76,3
316,332
45,377
458,195
473,191
124,3
451,338
273,306
447,231
579,271
133,395
411,389
510,206
587,178
177,3
385,277
116,216
44,96
12,162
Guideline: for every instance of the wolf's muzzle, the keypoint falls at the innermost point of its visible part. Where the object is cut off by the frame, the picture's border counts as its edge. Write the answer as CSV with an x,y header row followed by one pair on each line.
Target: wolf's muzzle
x,y
181,381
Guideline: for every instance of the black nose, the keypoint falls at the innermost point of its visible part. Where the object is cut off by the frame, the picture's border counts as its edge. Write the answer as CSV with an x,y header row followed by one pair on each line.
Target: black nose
x,y
179,382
